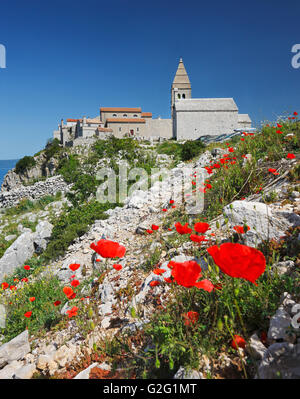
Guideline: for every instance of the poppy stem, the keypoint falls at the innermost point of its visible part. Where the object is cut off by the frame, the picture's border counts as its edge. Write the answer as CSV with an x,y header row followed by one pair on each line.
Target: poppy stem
x,y
234,340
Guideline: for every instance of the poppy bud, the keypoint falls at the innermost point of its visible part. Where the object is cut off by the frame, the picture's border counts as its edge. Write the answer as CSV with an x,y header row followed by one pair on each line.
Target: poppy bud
x,y
217,225
220,325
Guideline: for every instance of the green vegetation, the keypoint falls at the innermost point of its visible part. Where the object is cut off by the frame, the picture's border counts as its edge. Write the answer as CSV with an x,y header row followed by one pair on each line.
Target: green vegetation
x,y
182,152
24,164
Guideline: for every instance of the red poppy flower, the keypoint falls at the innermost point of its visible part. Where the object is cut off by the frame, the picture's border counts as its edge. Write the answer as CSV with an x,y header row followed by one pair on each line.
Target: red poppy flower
x,y
74,266
240,229
230,149
187,273
109,249
25,280
291,156
279,125
12,287
295,113
32,299
159,271
4,286
72,312
164,210
238,341
201,227
173,206
273,171
172,202
26,267
16,280
28,314
242,139
218,286
196,238
75,283
57,303
117,267
154,283
68,291
190,318
279,132
168,279
239,260
149,231
183,229
154,227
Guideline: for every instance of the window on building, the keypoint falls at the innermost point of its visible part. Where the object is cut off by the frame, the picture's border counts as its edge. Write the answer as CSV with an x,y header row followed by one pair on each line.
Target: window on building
x,y
120,129
135,116
114,114
183,95
137,129
125,116
178,95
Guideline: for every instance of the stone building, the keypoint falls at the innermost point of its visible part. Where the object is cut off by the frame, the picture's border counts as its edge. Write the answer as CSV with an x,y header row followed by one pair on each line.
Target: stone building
x,y
191,118
196,117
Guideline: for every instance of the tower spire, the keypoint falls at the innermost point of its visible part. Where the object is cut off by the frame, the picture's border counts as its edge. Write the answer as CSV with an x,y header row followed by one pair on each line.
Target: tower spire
x,y
181,80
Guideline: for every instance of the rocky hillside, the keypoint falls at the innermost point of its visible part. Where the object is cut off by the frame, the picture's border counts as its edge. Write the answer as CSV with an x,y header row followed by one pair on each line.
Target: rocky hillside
x,y
144,288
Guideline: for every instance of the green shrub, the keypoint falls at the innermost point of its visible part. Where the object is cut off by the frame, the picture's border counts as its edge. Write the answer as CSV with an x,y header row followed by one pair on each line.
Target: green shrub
x,y
191,149
24,164
52,148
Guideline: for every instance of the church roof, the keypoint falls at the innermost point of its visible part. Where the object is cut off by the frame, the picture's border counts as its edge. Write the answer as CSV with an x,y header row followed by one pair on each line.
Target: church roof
x,y
103,109
206,104
125,120
244,118
181,80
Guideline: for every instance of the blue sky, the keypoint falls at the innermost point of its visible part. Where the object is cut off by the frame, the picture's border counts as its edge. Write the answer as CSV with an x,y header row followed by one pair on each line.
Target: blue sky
x,y
66,58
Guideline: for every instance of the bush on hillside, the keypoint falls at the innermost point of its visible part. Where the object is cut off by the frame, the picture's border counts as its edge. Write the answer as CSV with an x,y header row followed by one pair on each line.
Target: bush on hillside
x,y
24,164
191,149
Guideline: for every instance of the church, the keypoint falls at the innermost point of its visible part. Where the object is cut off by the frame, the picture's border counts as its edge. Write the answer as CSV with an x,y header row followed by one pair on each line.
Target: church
x,y
191,119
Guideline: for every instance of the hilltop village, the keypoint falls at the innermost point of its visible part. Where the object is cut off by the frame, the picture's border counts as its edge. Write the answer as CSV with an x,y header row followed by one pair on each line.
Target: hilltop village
x,y
191,119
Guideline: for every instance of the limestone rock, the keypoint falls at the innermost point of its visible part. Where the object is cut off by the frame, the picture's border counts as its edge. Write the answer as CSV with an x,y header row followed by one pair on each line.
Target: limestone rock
x,y
255,347
15,349
25,372
183,374
279,324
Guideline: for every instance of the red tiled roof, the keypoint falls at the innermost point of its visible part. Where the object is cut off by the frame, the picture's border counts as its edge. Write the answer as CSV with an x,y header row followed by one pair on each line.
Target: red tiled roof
x,y
146,114
74,120
125,120
120,110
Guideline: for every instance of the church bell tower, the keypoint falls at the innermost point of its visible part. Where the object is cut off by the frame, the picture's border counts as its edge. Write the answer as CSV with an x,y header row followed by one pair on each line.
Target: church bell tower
x,y
181,87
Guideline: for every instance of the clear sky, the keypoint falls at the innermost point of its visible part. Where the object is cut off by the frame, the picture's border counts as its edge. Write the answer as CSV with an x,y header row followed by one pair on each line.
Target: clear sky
x,y
66,58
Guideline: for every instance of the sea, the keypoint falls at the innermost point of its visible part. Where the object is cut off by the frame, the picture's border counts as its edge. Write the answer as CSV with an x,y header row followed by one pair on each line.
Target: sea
x,y
5,166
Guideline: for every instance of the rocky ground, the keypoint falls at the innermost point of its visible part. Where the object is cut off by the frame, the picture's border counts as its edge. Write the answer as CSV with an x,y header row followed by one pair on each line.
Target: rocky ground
x,y
63,352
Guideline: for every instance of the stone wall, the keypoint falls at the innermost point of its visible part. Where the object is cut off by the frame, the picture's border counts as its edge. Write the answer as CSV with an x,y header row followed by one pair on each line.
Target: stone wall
x,y
191,125
38,190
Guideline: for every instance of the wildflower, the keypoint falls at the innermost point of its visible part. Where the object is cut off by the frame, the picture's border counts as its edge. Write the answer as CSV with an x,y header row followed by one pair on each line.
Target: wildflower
x,y
32,299
154,227
149,231
230,149
273,171
240,229
72,312
295,113
154,283
201,227
171,202
68,291
190,318
291,156
164,210
74,266
4,286
279,132
16,280
279,125
26,267
187,273
57,303
12,287
75,283
28,314
239,260
196,238
238,341
242,139
183,229
109,249
159,271
117,267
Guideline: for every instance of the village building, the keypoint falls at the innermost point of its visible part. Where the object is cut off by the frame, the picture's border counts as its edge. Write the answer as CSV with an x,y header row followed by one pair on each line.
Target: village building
x,y
191,119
